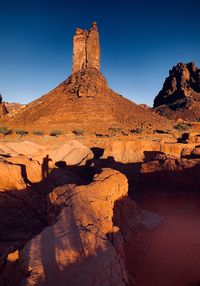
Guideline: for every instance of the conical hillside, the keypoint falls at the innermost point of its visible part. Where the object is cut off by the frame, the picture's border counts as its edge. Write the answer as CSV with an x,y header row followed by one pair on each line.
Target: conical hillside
x,y
84,101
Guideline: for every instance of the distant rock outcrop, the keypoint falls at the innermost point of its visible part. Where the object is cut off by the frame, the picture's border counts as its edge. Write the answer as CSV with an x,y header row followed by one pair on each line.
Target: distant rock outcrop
x,y
180,95
3,109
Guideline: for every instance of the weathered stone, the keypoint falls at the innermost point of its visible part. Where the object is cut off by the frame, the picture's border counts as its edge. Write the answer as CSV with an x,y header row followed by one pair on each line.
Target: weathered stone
x,y
82,247
196,152
180,95
3,109
11,177
86,50
72,153
190,137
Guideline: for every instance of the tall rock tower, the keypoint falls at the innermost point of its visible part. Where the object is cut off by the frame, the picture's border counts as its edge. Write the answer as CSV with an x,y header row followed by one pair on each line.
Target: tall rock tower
x,y
86,49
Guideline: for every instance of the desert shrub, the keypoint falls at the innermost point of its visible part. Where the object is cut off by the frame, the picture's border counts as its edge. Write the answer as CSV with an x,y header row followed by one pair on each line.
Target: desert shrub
x,y
136,131
160,131
125,133
102,135
38,132
115,129
182,126
5,131
78,132
21,132
55,133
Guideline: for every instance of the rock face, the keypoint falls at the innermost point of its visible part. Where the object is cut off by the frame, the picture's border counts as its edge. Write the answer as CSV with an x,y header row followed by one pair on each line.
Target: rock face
x,y
82,246
72,153
169,173
180,95
141,150
86,50
3,109
8,181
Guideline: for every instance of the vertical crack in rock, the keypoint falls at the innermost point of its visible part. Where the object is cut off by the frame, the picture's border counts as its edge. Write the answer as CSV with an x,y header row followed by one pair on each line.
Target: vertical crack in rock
x,y
86,49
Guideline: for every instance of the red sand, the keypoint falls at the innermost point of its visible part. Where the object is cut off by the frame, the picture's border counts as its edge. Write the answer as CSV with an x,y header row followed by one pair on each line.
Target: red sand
x,y
169,255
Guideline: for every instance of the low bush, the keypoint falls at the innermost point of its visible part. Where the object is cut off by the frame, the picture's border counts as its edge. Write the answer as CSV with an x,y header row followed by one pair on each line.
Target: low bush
x,y
38,132
55,133
115,129
5,131
78,132
136,131
21,132
182,126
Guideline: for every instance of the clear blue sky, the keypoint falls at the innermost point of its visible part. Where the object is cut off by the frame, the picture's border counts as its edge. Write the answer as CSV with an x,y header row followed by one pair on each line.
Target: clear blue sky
x,y
140,41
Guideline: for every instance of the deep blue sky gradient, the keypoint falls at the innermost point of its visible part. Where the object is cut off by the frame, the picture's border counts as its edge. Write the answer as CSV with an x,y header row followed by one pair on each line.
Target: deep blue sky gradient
x,y
140,41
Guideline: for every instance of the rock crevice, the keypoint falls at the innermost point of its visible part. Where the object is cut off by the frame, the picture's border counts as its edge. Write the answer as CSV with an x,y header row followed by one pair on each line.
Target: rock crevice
x,y
86,49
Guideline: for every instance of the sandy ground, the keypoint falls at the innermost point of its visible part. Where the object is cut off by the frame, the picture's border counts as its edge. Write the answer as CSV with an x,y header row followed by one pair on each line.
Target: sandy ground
x,y
169,255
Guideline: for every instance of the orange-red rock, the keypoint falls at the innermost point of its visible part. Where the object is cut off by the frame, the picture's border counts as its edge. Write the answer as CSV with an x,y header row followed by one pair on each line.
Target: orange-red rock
x,y
78,247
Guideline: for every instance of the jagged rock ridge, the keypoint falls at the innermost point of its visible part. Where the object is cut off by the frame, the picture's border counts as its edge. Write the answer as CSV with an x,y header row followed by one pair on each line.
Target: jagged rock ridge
x,y
180,95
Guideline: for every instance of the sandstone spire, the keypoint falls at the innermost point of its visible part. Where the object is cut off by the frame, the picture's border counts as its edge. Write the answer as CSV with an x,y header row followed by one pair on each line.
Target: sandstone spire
x,y
86,50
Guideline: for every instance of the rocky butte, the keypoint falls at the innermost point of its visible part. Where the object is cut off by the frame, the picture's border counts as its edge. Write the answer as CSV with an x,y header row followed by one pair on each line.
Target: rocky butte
x,y
180,95
84,100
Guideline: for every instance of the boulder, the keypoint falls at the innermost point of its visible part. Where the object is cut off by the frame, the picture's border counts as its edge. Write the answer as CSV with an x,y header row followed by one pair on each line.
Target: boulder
x,y
26,148
11,177
196,152
190,137
82,246
32,170
72,153
6,150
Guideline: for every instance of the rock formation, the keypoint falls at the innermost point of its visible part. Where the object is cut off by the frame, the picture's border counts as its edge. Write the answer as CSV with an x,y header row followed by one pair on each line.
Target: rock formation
x,y
171,173
3,109
84,101
78,248
180,95
86,50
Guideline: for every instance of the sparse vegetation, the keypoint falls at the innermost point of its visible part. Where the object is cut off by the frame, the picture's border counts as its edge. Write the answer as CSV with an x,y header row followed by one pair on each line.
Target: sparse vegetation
x,y
21,132
78,132
38,132
55,133
102,135
136,131
5,131
182,126
115,129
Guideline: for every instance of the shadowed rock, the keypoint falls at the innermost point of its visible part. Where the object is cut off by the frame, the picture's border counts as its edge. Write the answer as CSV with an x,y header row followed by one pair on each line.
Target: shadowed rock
x,y
180,95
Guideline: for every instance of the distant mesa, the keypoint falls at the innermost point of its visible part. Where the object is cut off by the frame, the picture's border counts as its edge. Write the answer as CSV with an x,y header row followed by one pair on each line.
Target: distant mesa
x,y
180,95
